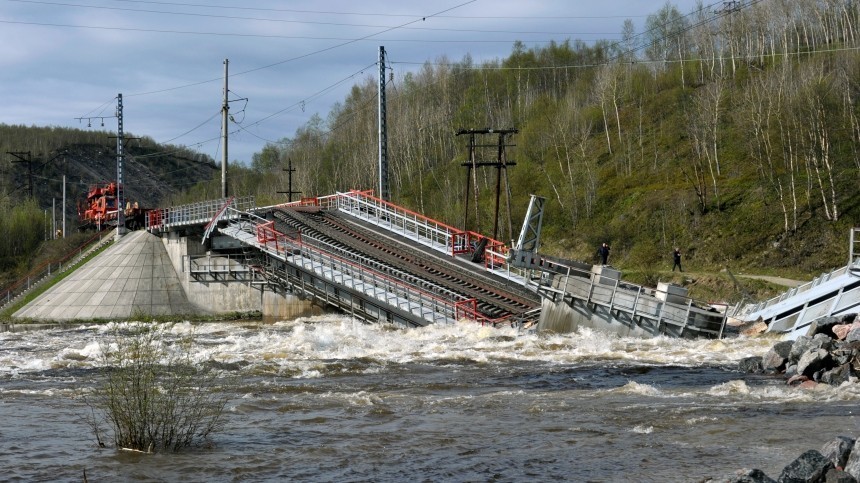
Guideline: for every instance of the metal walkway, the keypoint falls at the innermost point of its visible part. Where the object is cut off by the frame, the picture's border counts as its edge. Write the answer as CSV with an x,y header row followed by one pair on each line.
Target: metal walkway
x,y
349,279
792,312
303,255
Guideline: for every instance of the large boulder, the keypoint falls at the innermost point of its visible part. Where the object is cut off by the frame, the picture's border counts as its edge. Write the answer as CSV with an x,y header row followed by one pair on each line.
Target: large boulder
x,y
777,357
824,325
813,361
800,346
838,449
810,467
845,352
749,476
841,331
838,476
852,466
836,376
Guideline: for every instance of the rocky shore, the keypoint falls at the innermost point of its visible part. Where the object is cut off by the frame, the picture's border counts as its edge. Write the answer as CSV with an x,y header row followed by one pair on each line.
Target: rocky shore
x,y
828,354
838,461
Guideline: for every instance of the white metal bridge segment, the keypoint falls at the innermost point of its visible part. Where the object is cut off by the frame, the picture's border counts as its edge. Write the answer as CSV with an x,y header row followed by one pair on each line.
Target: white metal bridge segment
x,y
421,229
833,293
359,277
202,213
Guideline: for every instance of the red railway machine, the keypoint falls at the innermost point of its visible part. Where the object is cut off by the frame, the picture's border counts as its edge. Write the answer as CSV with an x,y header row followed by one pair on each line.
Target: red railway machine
x,y
98,211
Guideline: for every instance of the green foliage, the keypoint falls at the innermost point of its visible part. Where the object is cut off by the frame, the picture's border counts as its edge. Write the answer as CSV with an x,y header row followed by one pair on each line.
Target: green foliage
x,y
22,228
153,396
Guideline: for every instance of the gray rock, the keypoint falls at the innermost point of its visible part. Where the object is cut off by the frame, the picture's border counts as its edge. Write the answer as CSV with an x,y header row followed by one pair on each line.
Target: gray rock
x,y
839,476
813,361
751,365
824,325
777,356
749,476
837,450
836,376
853,336
823,341
801,345
852,466
843,353
810,467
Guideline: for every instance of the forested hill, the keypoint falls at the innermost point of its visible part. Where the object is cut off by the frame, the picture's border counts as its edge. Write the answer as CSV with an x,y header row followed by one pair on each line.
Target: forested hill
x,y
34,159
730,133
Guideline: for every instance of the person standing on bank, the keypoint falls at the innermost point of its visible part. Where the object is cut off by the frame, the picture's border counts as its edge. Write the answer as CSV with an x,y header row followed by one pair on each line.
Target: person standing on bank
x,y
676,256
603,251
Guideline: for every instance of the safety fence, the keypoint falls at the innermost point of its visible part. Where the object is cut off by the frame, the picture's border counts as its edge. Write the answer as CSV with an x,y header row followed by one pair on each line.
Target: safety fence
x,y
360,275
51,267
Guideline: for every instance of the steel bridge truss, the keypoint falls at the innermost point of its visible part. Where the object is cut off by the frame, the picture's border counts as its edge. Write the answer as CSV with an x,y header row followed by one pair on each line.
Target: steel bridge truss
x,y
352,285
433,234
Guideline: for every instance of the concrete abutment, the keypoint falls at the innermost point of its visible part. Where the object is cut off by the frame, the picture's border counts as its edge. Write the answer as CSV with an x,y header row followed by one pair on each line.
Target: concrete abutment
x,y
223,296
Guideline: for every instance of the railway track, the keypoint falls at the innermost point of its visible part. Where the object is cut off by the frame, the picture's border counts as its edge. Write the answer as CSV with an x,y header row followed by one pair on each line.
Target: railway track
x,y
428,272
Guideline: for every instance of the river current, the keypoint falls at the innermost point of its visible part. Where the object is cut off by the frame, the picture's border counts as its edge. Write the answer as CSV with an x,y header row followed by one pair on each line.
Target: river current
x,y
331,399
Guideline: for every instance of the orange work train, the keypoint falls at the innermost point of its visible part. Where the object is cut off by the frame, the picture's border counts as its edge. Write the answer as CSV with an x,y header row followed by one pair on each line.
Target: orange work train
x,y
98,211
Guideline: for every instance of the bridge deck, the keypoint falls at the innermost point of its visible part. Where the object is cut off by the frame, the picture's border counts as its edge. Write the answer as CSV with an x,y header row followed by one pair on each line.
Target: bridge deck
x,y
393,264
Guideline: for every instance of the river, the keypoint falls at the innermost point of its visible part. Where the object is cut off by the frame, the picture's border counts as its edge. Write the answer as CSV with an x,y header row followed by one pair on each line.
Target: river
x,y
331,399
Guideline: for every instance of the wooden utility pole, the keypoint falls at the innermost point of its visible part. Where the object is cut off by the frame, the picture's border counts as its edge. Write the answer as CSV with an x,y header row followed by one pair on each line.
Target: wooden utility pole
x,y
290,172
501,164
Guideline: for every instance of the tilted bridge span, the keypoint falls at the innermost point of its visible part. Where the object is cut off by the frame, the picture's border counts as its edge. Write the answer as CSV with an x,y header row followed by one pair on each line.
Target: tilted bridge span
x,y
383,263
367,257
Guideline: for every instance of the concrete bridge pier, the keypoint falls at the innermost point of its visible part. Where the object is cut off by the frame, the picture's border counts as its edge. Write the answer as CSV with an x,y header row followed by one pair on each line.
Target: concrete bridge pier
x,y
226,295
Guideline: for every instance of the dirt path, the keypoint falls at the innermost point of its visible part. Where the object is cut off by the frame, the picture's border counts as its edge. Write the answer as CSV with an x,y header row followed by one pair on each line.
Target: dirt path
x,y
787,282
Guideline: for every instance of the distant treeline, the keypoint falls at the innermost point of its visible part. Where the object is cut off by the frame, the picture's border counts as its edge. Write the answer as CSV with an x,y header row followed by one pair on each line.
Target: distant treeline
x,y
731,131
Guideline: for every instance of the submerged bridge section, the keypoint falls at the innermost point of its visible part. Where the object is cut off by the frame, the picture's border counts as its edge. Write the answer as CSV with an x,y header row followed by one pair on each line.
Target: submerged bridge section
x,y
365,256
382,263
831,294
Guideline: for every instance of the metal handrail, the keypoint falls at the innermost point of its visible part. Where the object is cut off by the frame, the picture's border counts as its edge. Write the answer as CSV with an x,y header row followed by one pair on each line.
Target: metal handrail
x,y
44,270
275,243
194,213
608,295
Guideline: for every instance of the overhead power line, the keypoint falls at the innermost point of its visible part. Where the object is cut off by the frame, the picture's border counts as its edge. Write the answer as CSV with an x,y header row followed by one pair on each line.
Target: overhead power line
x,y
292,21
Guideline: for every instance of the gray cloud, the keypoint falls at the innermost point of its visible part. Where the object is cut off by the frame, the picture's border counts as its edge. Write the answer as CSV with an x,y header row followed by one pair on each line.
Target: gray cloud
x,y
59,61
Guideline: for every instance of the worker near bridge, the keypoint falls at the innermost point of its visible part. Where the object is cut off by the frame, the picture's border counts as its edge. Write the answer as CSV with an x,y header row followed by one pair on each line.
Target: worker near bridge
x,y
676,258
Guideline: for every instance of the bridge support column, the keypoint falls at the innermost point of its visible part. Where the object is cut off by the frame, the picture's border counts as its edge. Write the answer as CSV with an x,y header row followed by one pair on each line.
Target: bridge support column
x,y
277,305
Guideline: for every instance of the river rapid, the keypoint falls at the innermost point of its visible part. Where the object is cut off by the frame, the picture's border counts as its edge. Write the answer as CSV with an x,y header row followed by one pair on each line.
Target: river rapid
x,y
331,399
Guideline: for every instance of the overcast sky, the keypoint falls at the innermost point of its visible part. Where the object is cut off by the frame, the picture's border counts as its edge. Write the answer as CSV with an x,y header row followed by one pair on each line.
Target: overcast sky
x,y
61,60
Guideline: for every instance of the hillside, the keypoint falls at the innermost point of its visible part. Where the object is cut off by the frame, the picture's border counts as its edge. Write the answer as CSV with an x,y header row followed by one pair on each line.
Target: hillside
x,y
732,135
34,159
151,173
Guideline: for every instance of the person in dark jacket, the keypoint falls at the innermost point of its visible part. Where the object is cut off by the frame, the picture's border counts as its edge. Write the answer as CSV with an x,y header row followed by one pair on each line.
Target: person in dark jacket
x,y
603,251
676,256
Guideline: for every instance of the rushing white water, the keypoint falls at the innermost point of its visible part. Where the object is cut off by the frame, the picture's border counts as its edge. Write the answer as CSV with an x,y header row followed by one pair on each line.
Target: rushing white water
x,y
328,398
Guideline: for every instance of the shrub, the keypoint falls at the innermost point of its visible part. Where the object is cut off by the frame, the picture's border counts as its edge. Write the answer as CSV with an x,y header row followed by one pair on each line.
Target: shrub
x,y
151,395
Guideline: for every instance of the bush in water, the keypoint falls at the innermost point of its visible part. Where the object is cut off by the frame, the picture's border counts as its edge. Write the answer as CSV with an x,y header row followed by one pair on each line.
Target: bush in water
x,y
151,395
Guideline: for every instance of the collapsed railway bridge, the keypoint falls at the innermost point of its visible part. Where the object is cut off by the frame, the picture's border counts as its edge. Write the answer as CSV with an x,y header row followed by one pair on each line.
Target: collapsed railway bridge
x,y
383,263
362,255
366,257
